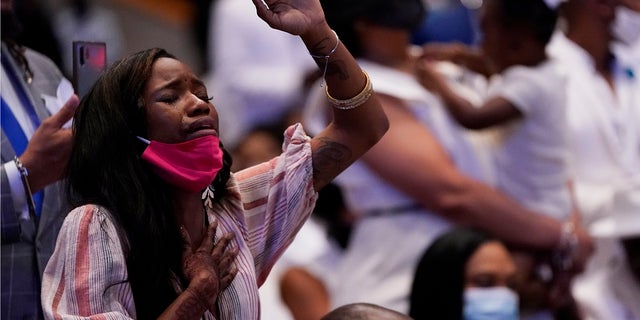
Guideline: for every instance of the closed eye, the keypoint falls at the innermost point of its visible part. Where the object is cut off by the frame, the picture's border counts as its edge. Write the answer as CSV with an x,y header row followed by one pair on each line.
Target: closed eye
x,y
169,99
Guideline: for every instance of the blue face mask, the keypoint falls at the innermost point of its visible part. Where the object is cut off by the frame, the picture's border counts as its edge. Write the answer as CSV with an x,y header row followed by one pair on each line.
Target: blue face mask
x,y
495,303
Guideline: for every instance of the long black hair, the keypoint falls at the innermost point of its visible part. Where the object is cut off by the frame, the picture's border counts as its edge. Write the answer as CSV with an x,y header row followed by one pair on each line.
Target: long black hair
x,y
533,16
438,284
105,169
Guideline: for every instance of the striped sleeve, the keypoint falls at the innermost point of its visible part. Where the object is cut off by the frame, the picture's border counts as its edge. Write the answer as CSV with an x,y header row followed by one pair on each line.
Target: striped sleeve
x,y
277,197
86,277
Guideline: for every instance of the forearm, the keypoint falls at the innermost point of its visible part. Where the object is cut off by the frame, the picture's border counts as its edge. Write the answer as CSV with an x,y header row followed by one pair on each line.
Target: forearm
x,y
566,243
13,187
465,113
344,80
480,206
355,128
475,62
9,215
344,76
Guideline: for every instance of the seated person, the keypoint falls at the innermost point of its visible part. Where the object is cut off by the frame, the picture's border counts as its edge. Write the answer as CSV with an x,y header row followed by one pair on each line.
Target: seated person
x,y
466,275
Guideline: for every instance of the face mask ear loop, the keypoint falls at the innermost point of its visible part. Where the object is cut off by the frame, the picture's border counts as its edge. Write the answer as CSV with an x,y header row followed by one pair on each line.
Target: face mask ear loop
x,y
142,145
143,139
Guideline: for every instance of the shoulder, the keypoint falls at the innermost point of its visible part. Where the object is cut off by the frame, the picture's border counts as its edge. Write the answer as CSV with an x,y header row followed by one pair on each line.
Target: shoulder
x,y
87,212
42,66
546,75
36,57
88,221
296,152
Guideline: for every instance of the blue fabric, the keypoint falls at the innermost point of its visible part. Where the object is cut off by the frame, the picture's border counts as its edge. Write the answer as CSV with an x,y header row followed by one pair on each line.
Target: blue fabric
x,y
11,126
22,95
12,129
452,23
19,142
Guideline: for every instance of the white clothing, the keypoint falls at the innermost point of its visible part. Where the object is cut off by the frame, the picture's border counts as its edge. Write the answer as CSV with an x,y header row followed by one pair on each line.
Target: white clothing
x,y
531,155
257,72
604,130
608,290
378,265
604,140
311,250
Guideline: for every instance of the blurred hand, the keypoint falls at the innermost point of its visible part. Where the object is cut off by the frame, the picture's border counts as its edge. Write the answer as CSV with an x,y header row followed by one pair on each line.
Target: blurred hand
x,y
584,249
631,4
460,54
48,151
444,51
210,268
428,76
560,298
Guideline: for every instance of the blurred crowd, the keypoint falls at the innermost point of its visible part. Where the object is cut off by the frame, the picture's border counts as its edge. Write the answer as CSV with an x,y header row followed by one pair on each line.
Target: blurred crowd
x,y
508,185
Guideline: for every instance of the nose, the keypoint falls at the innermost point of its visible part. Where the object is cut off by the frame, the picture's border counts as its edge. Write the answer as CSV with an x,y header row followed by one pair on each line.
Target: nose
x,y
198,106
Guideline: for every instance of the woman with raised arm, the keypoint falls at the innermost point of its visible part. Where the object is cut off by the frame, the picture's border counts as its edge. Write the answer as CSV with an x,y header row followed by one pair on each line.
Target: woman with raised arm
x,y
162,228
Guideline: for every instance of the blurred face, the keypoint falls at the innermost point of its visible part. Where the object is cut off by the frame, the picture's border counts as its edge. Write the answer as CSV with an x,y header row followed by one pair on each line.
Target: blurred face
x,y
626,23
177,105
6,5
494,44
257,147
490,266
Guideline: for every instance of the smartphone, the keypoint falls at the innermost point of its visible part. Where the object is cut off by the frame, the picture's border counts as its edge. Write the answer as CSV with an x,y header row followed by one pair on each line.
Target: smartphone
x,y
89,61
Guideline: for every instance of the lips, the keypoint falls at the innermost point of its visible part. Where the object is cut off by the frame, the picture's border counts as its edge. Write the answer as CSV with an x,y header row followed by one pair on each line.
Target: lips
x,y
202,127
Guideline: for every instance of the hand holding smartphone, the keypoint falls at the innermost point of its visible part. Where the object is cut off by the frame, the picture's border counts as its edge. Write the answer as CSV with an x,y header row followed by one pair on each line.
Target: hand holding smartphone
x,y
89,61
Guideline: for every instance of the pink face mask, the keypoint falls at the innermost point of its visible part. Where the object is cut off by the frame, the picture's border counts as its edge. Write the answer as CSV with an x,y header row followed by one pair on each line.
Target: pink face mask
x,y
190,165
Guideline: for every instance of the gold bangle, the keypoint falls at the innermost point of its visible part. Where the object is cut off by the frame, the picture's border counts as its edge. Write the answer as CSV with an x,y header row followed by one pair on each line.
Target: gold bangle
x,y
354,102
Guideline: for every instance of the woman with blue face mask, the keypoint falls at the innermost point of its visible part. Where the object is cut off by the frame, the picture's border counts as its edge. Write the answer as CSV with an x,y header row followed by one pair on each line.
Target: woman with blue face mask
x,y
466,275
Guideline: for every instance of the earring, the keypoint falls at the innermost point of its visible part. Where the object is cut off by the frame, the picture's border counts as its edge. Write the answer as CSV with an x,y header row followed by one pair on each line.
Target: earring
x,y
207,196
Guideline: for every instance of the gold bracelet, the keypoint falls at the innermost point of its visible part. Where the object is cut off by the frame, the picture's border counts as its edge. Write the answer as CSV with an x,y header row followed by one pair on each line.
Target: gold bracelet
x,y
354,102
24,174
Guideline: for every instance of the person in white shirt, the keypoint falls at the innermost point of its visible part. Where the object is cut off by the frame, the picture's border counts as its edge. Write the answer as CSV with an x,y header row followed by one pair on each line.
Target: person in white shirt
x,y
421,178
525,108
603,112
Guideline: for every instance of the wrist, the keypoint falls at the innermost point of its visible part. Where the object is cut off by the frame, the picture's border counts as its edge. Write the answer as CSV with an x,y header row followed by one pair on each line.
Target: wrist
x,y
319,40
563,255
24,178
199,296
17,189
204,284
33,172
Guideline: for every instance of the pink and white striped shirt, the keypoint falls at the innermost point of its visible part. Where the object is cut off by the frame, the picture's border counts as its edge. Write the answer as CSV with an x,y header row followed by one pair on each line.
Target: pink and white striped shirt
x,y
86,277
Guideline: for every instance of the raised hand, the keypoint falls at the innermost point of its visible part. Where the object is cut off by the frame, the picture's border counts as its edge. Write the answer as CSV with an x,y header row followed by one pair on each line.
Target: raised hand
x,y
293,16
48,151
210,268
